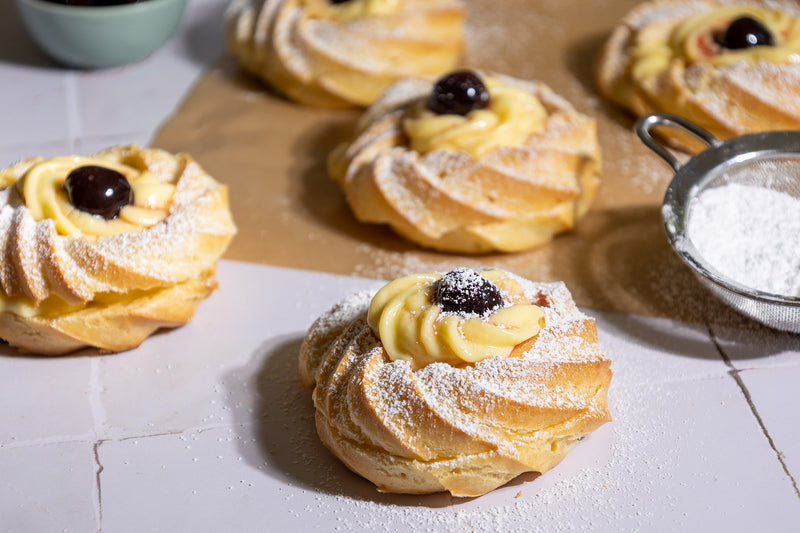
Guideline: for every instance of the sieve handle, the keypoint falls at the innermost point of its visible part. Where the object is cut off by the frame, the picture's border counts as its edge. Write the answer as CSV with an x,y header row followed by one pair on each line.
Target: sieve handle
x,y
646,124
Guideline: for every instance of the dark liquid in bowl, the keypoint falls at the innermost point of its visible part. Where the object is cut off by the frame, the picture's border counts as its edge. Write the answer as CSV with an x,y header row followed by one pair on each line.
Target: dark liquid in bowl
x,y
94,2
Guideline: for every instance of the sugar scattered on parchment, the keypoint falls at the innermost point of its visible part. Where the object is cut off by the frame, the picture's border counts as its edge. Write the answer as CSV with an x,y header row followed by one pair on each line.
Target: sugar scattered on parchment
x,y
387,264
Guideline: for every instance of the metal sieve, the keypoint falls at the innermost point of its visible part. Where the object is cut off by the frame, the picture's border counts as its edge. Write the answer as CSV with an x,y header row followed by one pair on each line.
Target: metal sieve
x,y
768,159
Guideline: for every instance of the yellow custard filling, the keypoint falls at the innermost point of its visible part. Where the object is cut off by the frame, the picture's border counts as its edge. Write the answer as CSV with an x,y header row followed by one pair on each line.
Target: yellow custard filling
x,y
54,306
414,328
353,9
693,41
42,191
512,116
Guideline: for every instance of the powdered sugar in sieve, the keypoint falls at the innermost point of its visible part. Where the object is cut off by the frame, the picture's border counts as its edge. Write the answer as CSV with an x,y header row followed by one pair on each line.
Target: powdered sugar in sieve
x,y
732,213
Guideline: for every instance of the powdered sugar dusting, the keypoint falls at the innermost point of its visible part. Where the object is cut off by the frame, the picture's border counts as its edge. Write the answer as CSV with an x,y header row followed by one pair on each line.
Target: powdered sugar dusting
x,y
327,61
39,262
595,483
509,199
457,419
662,11
744,96
750,234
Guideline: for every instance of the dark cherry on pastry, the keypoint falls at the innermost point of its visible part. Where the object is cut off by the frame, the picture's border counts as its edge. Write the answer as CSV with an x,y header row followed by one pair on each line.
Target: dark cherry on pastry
x,y
98,190
78,280
745,32
728,66
420,401
458,93
466,292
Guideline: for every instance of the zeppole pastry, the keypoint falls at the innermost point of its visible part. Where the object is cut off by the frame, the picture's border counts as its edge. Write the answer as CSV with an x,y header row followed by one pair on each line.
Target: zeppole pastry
x,y
732,67
471,163
341,53
101,251
457,382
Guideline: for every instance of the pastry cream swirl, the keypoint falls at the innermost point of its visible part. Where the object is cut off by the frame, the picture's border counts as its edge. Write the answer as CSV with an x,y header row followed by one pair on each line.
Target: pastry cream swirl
x,y
353,9
513,115
414,328
42,190
693,41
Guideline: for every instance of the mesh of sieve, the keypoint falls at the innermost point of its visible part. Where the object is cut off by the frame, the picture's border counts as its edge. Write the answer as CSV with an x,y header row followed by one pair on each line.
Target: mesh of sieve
x,y
769,160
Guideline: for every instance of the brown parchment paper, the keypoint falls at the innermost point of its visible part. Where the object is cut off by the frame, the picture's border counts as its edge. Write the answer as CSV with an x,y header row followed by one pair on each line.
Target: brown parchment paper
x,y
272,152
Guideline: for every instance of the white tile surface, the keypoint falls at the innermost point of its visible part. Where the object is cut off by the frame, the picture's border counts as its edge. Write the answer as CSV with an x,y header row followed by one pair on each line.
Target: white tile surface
x,y
12,154
210,383
43,104
35,105
774,393
137,98
652,350
759,347
44,399
653,468
49,488
206,428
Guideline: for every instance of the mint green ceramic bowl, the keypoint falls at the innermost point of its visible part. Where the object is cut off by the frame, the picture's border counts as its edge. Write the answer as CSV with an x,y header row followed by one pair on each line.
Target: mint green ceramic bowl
x,y
103,36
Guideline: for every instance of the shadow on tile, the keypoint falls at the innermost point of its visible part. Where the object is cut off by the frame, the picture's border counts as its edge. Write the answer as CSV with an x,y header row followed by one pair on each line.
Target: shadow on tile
x,y
286,444
280,438
758,342
317,196
745,339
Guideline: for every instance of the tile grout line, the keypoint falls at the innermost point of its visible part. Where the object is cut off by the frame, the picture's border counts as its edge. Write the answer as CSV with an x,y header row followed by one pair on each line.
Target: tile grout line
x,y
73,115
99,499
99,419
99,440
735,374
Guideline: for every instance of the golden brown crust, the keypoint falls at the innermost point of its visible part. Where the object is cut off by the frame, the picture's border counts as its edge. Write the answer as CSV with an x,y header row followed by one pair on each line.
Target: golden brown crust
x,y
330,63
109,327
509,199
726,98
466,429
60,292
